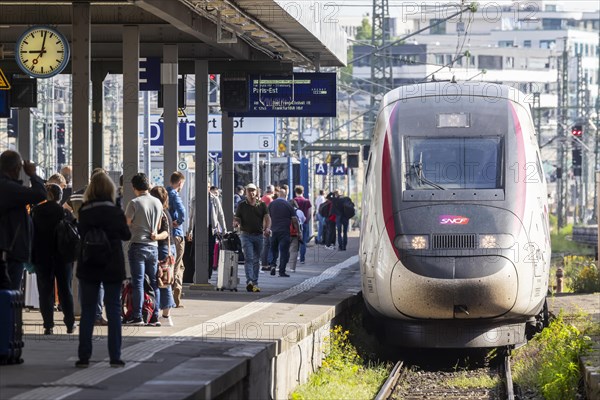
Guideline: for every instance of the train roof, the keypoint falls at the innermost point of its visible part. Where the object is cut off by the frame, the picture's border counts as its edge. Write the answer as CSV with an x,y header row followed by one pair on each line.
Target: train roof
x,y
454,91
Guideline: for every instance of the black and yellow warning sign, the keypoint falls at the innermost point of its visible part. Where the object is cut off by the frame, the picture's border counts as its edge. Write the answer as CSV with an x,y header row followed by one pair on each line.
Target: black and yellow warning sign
x,y
4,84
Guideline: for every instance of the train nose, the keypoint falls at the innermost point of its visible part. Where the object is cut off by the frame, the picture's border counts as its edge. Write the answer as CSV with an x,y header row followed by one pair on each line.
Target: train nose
x,y
463,294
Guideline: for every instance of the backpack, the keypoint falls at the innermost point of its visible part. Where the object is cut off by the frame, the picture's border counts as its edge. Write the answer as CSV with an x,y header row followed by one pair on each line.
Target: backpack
x,y
95,246
325,209
95,249
148,304
348,208
67,240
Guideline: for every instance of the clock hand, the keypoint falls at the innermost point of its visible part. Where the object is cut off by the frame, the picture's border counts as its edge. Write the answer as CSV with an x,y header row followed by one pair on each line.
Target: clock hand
x,y
43,45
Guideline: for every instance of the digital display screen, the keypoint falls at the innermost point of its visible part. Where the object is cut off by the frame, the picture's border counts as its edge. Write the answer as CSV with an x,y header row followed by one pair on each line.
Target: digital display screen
x,y
297,95
454,120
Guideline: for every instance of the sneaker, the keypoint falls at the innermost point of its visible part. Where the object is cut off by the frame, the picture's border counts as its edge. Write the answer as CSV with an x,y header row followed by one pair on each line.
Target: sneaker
x,y
302,261
167,321
249,287
255,289
71,329
284,275
82,363
273,271
292,269
265,268
153,321
101,322
133,321
48,331
117,363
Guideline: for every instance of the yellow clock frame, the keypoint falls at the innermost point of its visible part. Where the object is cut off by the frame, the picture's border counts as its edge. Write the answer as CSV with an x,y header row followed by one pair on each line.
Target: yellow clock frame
x,y
42,52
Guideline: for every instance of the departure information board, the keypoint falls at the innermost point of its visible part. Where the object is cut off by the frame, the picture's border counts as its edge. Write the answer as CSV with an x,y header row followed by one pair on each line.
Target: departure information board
x,y
298,95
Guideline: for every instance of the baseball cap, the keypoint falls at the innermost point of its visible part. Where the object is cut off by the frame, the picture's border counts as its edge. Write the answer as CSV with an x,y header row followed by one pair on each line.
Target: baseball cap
x,y
251,186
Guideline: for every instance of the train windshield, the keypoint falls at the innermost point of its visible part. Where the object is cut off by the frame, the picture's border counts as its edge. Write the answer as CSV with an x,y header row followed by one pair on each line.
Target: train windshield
x,y
454,163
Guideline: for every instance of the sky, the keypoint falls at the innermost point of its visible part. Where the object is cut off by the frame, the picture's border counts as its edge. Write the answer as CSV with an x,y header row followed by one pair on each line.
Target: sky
x,y
347,8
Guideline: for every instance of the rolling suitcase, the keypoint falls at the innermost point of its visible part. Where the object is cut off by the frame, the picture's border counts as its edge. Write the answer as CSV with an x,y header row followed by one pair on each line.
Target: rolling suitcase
x,y
11,326
227,277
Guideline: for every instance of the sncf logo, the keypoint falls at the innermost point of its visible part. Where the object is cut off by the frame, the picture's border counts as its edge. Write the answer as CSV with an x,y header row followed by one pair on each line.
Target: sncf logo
x,y
453,220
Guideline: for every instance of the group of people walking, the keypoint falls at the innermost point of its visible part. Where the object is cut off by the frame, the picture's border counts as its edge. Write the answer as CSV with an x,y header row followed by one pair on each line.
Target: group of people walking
x,y
29,235
273,231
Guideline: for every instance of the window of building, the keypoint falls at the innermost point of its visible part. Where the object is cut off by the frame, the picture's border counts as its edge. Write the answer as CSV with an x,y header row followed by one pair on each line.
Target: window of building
x,y
506,43
438,29
490,62
547,44
527,43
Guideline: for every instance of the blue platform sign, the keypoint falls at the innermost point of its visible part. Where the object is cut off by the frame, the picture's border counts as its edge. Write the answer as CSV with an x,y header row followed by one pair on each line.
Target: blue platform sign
x,y
149,73
320,169
339,170
298,95
238,156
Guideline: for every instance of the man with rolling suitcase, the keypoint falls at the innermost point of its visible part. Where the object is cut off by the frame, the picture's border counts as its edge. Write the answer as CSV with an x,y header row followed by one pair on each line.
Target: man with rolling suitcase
x,y
252,217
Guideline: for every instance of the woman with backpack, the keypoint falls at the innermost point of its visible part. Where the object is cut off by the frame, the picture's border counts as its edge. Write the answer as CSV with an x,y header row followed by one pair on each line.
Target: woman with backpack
x,y
51,259
102,226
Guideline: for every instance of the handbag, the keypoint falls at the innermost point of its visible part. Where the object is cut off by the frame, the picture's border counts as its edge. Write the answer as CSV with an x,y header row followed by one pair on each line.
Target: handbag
x,y
165,273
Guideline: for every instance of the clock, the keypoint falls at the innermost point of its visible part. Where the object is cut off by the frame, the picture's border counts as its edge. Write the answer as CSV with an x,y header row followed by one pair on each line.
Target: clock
x,y
42,52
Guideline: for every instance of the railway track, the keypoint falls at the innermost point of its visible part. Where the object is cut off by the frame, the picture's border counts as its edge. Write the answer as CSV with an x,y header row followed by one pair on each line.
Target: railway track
x,y
492,381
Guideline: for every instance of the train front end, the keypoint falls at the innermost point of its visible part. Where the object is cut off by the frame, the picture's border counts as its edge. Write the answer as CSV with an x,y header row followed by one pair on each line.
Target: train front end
x,y
458,252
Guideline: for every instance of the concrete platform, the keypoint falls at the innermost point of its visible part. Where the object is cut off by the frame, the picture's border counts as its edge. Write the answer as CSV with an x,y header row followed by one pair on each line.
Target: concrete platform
x,y
227,345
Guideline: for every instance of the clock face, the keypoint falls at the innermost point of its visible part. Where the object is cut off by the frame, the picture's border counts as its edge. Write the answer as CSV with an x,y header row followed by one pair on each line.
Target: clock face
x,y
42,52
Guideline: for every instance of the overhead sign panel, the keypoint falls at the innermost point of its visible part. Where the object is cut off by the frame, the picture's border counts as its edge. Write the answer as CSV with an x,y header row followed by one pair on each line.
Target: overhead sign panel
x,y
297,95
249,134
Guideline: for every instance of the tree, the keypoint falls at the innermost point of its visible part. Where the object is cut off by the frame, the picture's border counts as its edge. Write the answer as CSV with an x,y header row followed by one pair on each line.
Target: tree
x,y
365,32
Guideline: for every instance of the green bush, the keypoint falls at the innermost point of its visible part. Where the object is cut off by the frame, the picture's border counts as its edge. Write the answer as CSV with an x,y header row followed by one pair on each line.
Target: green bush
x,y
549,363
587,279
343,373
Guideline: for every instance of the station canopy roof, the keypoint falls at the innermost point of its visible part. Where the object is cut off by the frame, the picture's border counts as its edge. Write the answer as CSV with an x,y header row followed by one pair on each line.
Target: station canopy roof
x,y
303,33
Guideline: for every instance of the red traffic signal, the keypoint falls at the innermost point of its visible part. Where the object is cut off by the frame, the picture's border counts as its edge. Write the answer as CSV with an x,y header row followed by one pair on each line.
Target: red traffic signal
x,y
577,130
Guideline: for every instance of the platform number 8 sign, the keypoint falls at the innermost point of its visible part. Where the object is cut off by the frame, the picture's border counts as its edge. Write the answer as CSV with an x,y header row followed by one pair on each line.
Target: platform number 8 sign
x,y
265,142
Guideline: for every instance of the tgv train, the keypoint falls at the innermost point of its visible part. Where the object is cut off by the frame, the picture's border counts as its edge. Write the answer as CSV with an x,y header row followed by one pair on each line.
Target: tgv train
x,y
455,241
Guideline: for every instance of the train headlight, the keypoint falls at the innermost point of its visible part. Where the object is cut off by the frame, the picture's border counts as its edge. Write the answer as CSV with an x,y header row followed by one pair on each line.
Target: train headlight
x,y
412,242
497,241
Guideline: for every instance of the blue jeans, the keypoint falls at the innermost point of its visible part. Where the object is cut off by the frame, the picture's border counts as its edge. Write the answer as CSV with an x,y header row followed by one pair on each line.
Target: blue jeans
x,y
143,259
321,226
305,236
99,305
89,300
252,247
165,300
342,232
280,246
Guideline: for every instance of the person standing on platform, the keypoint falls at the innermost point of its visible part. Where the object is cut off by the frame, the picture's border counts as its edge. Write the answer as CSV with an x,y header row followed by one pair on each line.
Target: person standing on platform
x,y
320,220
166,248
177,211
216,226
238,196
143,217
267,198
252,217
47,260
15,222
305,206
68,190
99,211
282,215
341,220
295,236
